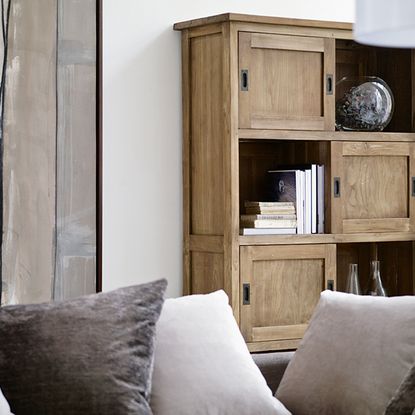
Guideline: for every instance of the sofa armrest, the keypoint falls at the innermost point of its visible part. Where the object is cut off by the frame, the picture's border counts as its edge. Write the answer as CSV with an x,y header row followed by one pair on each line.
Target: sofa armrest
x,y
272,366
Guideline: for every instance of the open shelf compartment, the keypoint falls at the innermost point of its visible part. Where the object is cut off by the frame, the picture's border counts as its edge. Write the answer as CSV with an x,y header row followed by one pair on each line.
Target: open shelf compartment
x,y
396,265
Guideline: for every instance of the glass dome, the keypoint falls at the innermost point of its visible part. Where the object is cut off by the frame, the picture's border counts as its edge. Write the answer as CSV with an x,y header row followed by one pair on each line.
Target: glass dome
x,y
363,103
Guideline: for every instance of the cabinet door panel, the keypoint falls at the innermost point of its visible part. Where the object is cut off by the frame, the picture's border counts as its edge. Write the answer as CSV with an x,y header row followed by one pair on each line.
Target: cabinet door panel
x,y
285,284
286,85
373,187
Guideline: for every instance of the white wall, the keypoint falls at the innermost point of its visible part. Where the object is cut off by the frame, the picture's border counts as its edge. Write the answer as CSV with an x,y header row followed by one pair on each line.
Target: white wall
x,y
142,219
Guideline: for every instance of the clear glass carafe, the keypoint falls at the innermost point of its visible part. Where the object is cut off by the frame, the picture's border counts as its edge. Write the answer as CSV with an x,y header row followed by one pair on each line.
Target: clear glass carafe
x,y
375,286
352,285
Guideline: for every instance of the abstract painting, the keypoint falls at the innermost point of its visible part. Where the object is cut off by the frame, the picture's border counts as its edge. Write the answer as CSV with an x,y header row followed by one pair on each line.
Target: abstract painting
x,y
49,150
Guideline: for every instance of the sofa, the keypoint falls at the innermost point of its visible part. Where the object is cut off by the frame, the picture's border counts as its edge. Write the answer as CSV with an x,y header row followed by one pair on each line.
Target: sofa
x,y
130,351
272,366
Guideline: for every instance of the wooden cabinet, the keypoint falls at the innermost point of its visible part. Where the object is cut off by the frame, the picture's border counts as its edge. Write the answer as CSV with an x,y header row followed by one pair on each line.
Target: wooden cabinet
x,y
372,187
286,82
259,92
280,286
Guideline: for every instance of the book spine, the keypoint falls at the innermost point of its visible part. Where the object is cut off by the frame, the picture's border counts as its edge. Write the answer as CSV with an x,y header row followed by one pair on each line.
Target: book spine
x,y
269,224
268,231
313,198
255,211
300,202
320,196
308,202
268,204
268,217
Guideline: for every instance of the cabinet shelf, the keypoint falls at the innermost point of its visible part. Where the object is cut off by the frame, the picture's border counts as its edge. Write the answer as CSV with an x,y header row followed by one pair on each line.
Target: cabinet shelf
x,y
251,134
325,238
258,95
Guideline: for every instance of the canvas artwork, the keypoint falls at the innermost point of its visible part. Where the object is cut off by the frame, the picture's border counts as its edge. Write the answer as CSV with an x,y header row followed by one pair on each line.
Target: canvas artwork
x,y
48,149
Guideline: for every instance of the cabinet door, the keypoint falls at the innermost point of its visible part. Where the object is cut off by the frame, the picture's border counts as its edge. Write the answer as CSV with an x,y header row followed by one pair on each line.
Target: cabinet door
x,y
280,287
372,188
286,82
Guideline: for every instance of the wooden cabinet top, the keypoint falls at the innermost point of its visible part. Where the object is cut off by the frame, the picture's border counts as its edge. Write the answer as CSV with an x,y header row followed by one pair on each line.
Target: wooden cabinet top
x,y
247,18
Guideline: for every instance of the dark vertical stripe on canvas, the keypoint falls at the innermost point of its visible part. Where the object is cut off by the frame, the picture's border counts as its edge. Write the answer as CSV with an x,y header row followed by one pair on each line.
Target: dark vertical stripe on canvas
x,y
55,231
99,145
5,18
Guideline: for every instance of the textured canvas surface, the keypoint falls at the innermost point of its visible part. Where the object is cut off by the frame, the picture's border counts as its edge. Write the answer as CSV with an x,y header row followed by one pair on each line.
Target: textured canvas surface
x,y
92,355
49,143
354,354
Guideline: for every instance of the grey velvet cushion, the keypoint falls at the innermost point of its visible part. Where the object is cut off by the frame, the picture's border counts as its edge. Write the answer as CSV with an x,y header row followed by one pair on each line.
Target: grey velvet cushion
x,y
92,355
403,402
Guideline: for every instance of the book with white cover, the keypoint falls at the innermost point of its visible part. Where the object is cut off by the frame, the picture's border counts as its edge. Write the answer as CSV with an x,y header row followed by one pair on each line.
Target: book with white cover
x,y
268,231
301,201
313,198
320,199
307,198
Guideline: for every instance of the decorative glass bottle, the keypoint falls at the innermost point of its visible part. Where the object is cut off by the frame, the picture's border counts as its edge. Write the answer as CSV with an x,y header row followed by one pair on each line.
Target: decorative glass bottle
x,y
352,285
375,286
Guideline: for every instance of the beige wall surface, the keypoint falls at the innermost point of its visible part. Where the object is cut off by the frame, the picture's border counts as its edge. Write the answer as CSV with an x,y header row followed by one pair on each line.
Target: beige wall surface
x,y
142,219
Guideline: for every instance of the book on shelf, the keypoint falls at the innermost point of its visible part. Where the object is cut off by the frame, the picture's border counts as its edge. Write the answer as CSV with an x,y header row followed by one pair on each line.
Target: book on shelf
x,y
269,208
247,218
303,185
270,211
314,212
268,231
308,213
276,205
320,199
287,186
277,223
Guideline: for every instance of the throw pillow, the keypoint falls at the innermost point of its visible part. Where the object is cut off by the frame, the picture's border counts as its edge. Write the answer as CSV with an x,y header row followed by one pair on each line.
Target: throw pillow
x,y
91,355
403,402
202,365
354,355
4,406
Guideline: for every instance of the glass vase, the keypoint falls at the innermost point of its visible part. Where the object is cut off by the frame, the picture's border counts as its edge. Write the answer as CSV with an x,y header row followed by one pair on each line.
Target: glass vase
x,y
352,285
375,286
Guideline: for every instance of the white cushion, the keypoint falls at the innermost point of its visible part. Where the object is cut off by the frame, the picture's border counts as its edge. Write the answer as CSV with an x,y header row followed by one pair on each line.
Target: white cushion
x,y
354,355
4,406
202,365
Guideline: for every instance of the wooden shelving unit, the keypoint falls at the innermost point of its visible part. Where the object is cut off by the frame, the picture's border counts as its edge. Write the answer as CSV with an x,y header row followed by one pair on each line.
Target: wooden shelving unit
x,y
259,92
251,135
330,238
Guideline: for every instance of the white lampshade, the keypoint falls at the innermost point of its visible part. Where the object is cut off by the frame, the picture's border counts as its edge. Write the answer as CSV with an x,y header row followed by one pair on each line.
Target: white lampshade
x,y
388,23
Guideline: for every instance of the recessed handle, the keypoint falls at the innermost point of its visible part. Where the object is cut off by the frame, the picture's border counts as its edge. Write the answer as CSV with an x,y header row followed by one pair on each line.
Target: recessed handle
x,y
246,294
330,285
413,186
244,80
329,84
336,186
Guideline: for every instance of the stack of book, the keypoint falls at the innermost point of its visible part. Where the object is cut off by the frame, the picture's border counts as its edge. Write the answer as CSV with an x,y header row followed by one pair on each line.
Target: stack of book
x,y
269,218
302,185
